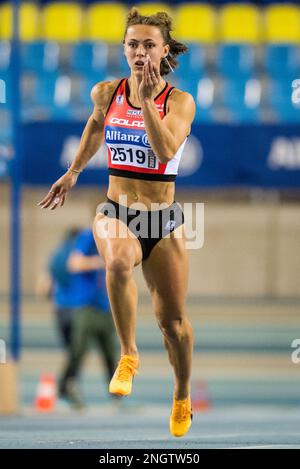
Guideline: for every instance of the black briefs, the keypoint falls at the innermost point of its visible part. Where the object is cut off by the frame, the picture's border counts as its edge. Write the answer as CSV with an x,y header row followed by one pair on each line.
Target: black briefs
x,y
149,226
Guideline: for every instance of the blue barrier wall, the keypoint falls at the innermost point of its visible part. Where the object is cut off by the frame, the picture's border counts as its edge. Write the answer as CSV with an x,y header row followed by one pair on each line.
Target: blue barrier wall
x,y
215,156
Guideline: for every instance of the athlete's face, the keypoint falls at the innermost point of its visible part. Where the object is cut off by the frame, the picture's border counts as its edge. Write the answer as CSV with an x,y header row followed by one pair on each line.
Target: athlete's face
x,y
141,40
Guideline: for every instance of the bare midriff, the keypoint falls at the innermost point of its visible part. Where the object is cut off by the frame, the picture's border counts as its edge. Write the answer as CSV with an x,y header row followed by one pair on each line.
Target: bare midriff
x,y
143,194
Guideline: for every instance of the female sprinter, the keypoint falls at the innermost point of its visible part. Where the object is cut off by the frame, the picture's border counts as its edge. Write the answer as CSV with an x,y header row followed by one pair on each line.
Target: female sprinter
x,y
145,123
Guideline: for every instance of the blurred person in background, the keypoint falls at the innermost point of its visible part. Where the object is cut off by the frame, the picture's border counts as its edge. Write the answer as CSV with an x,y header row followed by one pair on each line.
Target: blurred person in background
x,y
61,286
82,308
145,122
92,318
56,284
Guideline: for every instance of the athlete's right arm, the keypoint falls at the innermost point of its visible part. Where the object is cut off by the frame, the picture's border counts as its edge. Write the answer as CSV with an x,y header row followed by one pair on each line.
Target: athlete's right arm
x,y
92,136
90,142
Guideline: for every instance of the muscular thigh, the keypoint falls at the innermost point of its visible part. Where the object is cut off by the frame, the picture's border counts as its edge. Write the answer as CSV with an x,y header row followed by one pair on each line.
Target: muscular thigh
x,y
115,241
166,274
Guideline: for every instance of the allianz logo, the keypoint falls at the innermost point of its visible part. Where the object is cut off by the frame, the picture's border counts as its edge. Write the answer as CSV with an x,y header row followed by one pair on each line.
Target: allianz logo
x,y
284,154
117,135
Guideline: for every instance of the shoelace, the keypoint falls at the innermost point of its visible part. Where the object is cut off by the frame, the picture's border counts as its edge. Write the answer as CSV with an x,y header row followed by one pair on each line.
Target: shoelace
x,y
125,370
181,411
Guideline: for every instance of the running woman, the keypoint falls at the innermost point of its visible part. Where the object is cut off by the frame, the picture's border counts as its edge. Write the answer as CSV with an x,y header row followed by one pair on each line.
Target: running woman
x,y
145,123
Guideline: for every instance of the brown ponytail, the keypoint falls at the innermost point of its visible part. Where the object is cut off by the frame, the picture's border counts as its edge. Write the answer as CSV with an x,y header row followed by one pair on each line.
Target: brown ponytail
x,y
163,21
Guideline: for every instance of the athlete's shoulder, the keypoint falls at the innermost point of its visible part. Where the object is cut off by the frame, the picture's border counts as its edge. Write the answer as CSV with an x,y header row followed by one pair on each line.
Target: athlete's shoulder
x,y
181,97
181,101
102,92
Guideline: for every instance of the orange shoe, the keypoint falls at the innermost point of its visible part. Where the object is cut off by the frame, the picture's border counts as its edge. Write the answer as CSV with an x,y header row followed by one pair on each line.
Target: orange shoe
x,y
181,417
121,382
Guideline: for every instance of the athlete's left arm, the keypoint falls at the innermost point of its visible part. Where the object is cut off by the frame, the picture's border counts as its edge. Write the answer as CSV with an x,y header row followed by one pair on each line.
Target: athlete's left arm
x,y
166,135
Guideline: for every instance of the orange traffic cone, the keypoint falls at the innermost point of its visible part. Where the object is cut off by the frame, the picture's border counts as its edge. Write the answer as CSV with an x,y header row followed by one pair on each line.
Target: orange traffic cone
x,y
46,393
200,397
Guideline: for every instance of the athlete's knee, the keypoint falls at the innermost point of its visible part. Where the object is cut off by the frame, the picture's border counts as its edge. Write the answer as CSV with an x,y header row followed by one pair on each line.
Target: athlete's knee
x,y
172,329
121,268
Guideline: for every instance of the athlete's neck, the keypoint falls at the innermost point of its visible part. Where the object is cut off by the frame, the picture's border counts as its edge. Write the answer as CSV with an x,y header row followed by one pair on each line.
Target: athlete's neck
x,y
134,83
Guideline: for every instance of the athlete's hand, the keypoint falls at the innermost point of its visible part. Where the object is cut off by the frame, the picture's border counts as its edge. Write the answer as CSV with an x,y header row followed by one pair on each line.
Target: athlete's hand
x,y
151,78
57,194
